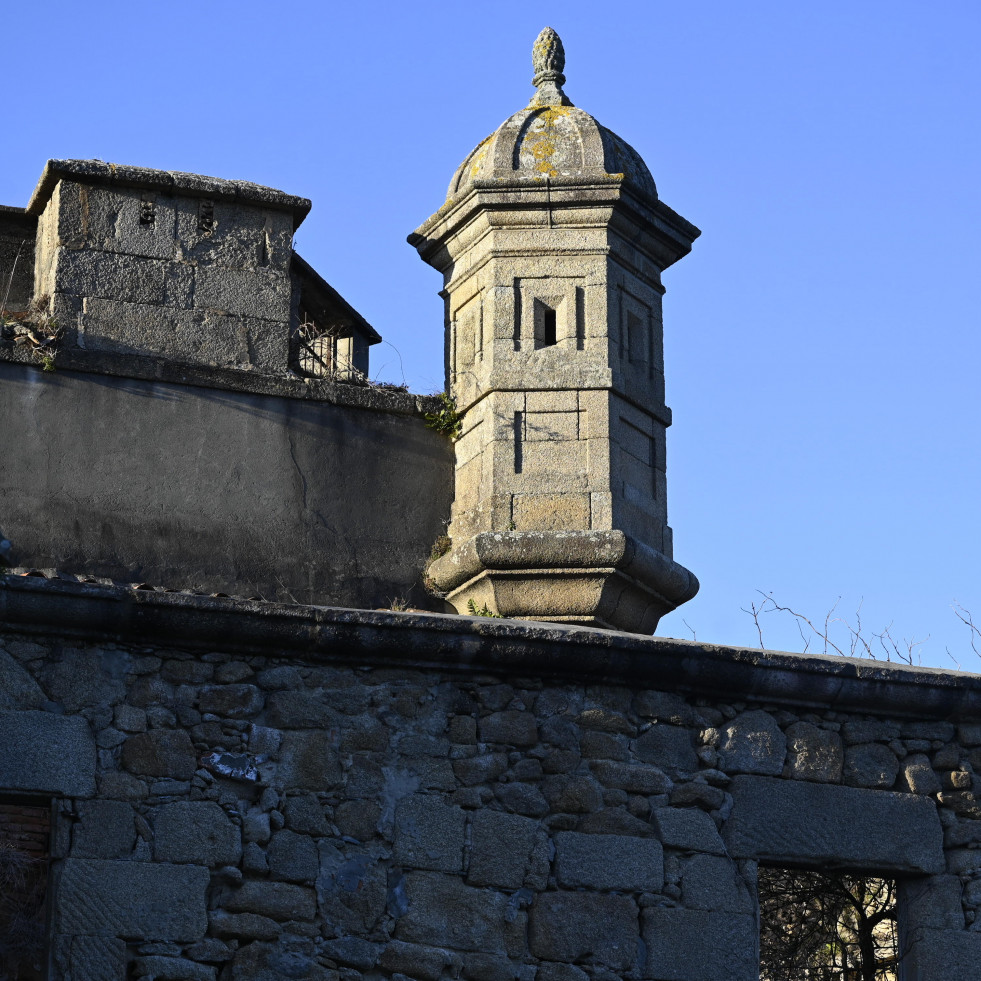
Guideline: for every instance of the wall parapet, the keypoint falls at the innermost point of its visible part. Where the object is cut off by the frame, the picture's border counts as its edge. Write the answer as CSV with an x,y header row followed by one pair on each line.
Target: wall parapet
x,y
120,613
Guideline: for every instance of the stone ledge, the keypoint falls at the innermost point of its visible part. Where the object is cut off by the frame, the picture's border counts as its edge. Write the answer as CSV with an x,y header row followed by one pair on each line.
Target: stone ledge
x,y
467,644
228,379
167,181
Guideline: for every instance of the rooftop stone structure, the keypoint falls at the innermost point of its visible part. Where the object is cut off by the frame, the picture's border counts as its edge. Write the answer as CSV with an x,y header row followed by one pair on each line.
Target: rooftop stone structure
x,y
551,242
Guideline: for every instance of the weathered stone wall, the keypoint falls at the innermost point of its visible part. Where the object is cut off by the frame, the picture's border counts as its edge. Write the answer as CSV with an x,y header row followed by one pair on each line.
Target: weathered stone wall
x,y
389,796
146,262
323,493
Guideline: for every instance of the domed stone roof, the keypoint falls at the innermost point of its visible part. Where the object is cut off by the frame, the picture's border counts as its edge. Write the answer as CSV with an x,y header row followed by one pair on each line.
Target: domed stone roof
x,y
551,139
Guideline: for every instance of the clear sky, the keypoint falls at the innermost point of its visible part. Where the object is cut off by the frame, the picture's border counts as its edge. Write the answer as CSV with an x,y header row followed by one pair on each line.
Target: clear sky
x,y
821,341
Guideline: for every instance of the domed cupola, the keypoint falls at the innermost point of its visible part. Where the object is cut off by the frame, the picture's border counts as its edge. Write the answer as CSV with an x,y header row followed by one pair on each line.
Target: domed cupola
x,y
551,140
551,243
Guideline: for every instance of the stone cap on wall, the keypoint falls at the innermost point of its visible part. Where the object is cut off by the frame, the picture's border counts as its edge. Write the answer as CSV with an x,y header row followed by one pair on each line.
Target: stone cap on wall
x,y
165,181
35,604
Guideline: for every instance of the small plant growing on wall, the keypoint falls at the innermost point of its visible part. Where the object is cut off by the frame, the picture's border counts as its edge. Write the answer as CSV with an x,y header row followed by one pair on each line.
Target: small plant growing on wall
x,y
481,611
445,419
35,331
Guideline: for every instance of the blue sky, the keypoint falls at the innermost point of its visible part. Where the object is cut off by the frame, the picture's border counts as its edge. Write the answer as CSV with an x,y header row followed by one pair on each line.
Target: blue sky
x,y
821,340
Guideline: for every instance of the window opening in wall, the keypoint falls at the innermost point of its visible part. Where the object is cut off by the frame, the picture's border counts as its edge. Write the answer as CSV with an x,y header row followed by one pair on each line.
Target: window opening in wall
x,y
827,926
25,833
315,349
546,325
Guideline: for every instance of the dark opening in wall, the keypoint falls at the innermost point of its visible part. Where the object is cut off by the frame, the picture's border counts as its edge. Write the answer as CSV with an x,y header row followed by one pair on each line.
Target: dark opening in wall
x,y
25,833
827,926
546,325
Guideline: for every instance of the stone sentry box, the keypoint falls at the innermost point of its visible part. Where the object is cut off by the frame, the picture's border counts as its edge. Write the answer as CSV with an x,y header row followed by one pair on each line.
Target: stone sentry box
x,y
551,243
249,791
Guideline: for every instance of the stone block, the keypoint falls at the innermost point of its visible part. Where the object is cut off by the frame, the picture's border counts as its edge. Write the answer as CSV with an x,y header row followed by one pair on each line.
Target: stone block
x,y
868,731
275,900
210,950
551,512
484,967
521,798
298,710
442,911
18,690
501,849
795,822
261,294
353,889
509,727
698,794
157,968
293,857
108,219
669,747
241,236
814,753
198,832
969,734
304,813
308,761
483,768
358,818
47,753
244,926
752,743
130,719
276,961
160,753
89,958
106,829
549,971
429,834
354,952
574,926
696,945
942,955
635,779
599,861
149,901
659,706
190,336
918,775
713,883
687,829
231,701
932,903
573,793
428,963
120,277
870,765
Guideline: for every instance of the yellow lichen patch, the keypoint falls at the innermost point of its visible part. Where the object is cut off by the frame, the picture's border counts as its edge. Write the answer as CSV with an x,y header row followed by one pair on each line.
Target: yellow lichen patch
x,y
547,139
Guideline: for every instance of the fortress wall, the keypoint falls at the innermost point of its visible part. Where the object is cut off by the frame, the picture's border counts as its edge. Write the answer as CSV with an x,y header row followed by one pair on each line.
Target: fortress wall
x,y
252,791
319,493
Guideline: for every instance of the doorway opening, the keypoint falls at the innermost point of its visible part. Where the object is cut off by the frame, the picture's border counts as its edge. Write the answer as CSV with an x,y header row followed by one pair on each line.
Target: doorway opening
x,y
827,926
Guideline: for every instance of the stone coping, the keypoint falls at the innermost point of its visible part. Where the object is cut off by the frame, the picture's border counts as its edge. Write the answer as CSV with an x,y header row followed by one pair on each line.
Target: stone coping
x,y
165,181
456,644
155,369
